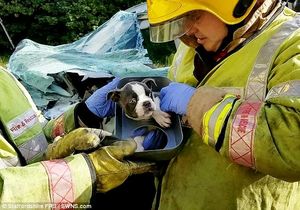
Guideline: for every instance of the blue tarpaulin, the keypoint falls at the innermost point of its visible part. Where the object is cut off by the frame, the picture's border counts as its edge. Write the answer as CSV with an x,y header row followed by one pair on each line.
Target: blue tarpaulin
x,y
113,49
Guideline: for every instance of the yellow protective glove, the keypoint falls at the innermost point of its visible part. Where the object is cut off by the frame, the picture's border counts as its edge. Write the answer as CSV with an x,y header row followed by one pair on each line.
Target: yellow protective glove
x,y
78,139
111,168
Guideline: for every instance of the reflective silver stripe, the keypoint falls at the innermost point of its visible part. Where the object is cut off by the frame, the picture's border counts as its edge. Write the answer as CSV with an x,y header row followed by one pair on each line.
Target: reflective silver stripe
x,y
22,123
257,81
214,118
9,162
241,140
290,88
34,147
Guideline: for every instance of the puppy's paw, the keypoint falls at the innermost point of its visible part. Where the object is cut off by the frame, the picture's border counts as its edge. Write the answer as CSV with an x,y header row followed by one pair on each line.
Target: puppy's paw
x,y
139,143
57,138
162,118
88,138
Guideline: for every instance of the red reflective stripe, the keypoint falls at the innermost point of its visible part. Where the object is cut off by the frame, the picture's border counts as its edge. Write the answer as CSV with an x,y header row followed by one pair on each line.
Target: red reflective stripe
x,y
58,127
60,182
242,134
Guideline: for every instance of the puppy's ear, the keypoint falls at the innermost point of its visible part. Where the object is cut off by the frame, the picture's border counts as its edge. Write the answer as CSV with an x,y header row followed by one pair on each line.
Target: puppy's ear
x,y
114,95
149,82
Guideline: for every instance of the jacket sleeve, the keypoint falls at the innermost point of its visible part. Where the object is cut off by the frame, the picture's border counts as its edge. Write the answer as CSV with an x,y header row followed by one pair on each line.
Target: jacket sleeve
x,y
61,125
57,182
265,135
276,142
77,116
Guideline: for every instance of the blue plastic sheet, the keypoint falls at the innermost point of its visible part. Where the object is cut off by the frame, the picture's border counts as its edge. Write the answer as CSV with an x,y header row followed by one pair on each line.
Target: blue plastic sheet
x,y
113,49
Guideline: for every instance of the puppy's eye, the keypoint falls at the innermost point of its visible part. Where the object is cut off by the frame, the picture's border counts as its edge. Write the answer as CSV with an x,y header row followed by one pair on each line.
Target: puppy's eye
x,y
132,101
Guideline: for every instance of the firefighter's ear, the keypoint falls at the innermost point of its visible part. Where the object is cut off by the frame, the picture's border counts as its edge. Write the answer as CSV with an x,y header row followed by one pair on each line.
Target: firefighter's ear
x,y
149,82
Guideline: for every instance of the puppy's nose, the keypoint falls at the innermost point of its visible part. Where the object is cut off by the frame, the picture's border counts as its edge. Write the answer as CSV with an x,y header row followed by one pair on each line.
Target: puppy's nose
x,y
147,104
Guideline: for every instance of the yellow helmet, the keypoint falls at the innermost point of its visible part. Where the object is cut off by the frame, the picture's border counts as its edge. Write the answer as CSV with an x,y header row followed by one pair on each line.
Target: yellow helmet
x,y
167,17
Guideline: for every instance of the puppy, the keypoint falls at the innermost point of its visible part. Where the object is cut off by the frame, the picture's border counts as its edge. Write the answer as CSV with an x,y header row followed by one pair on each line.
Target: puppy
x,y
139,103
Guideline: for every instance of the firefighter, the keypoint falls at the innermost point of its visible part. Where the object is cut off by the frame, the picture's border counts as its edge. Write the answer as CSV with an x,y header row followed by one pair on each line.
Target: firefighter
x,y
36,174
244,110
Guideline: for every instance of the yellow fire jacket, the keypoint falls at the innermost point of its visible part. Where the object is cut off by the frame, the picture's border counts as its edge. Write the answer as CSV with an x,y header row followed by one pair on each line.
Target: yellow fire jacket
x,y
41,184
258,164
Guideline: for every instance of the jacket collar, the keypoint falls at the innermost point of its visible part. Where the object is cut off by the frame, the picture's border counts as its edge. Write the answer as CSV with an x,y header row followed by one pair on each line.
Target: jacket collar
x,y
254,23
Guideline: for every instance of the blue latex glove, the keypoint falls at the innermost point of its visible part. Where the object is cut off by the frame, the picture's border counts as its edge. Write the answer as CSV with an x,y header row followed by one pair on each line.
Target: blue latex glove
x,y
98,103
175,97
154,139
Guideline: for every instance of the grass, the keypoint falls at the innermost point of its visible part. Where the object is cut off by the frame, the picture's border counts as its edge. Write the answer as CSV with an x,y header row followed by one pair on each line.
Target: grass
x,y
3,60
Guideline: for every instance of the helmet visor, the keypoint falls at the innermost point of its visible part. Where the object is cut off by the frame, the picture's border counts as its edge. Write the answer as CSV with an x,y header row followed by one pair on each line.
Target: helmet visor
x,y
170,30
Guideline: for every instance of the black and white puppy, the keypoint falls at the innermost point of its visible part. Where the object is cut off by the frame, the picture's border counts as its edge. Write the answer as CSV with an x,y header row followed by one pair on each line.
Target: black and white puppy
x,y
137,100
